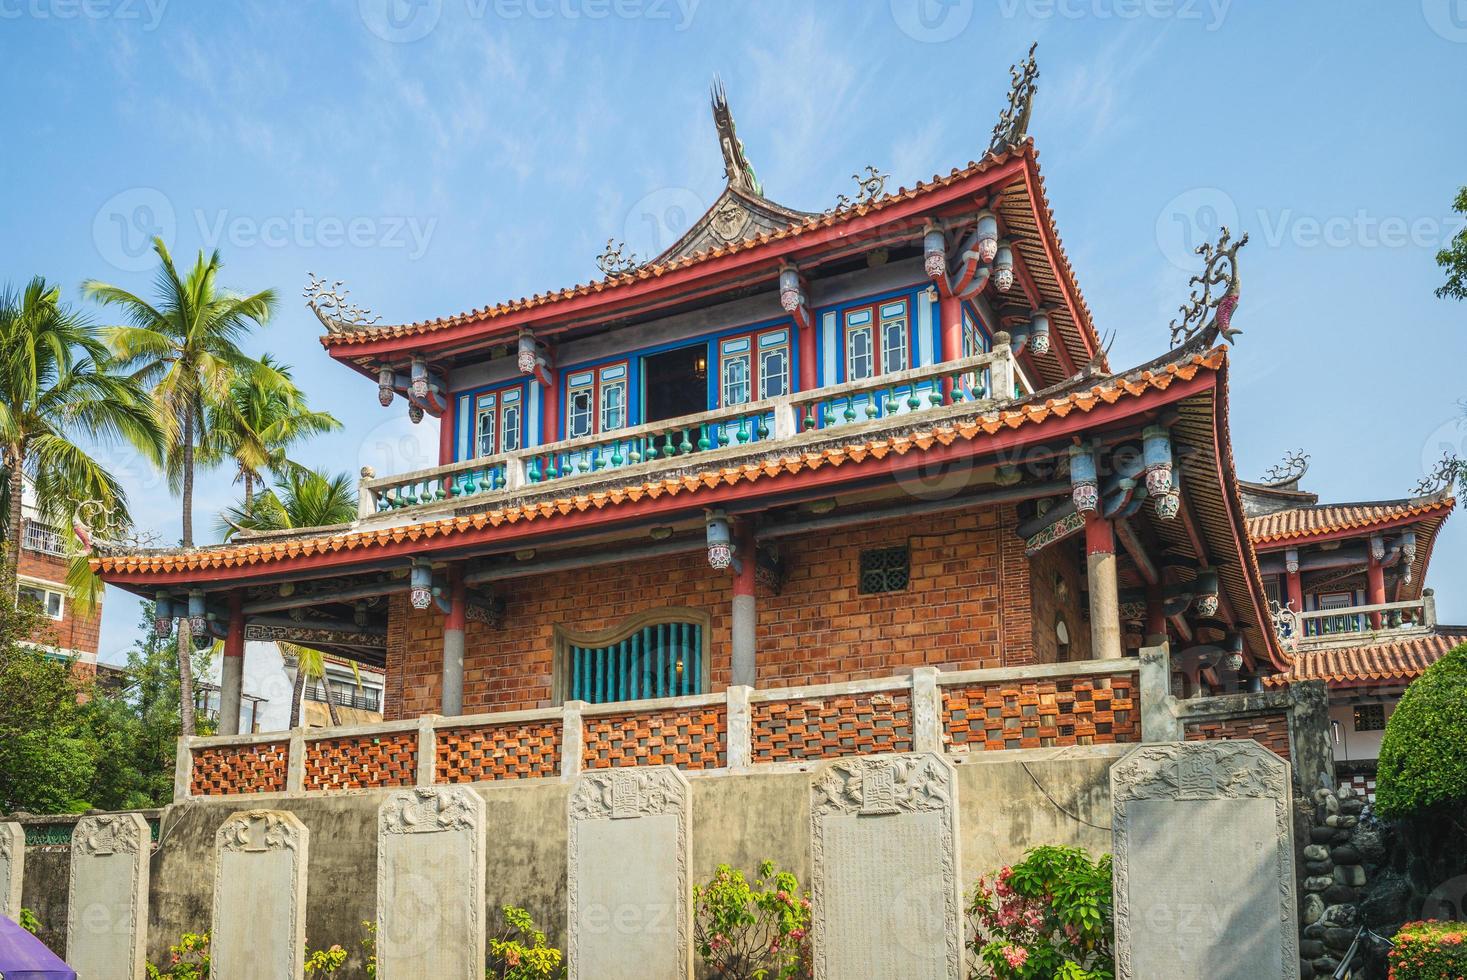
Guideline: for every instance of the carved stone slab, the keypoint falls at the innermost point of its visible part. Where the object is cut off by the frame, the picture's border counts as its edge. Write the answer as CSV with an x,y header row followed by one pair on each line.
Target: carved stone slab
x,y
627,863
107,897
12,868
430,884
884,836
260,896
1204,862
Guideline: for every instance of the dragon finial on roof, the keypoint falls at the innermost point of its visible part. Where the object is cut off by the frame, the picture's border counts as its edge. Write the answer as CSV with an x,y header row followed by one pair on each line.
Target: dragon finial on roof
x,y
332,308
1013,122
1209,310
736,166
870,186
1290,469
1442,478
612,262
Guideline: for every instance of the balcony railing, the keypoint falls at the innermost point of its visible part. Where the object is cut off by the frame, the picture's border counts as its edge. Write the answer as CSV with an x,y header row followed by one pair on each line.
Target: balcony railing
x,y
1358,624
972,380
41,537
368,699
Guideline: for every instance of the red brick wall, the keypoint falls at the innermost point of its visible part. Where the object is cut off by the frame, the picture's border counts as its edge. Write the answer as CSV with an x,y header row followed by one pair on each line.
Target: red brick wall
x,y
1059,563
1270,731
967,606
71,632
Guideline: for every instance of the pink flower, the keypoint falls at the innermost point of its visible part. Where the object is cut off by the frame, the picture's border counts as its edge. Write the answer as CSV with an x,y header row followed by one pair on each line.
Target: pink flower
x,y
1016,956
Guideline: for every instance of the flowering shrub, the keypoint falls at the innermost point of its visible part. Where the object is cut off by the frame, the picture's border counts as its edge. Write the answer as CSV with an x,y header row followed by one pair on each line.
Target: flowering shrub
x,y
520,953
1429,950
1048,916
189,960
325,962
369,947
753,932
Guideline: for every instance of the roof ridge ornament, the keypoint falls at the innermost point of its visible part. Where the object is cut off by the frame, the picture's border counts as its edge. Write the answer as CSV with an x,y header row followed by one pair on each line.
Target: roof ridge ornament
x,y
612,262
1440,479
736,167
1290,469
1013,122
98,524
332,308
871,186
1202,314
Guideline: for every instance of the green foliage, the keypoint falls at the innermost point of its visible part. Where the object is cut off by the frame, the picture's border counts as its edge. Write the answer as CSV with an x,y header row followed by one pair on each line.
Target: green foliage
x,y
1453,258
1429,951
520,952
369,947
325,962
29,922
307,498
187,960
1048,916
1423,756
757,931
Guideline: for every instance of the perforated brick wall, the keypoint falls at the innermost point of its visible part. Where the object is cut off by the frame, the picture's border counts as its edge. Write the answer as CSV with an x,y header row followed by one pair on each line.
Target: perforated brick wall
x,y
237,769
689,738
517,750
361,761
1271,731
1041,713
827,728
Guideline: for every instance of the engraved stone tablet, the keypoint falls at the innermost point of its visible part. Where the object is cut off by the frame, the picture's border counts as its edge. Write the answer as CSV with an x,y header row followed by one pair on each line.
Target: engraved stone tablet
x,y
107,900
629,851
887,898
12,868
1204,862
260,897
430,884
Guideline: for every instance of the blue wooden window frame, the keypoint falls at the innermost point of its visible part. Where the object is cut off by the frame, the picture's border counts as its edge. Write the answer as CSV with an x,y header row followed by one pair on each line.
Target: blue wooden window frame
x,y
469,405
653,655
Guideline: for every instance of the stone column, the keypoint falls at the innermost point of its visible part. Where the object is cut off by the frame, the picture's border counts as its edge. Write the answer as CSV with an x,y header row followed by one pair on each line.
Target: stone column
x,y
231,676
12,868
259,928
1158,722
453,643
107,898
745,610
1105,598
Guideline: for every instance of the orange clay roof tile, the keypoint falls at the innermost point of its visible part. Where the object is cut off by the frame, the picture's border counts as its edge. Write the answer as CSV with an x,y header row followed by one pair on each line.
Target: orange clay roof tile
x,y
1306,522
1390,662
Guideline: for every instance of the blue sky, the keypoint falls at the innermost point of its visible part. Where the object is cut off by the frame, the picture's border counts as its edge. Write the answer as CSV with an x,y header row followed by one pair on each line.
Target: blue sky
x,y
442,154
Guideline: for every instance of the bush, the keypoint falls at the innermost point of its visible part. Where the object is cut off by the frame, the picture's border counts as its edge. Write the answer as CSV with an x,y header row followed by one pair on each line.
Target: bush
x,y
753,932
189,960
1423,756
521,953
1429,950
1048,916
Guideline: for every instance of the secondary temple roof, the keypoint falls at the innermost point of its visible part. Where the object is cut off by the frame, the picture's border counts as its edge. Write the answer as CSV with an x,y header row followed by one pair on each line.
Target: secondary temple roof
x,y
1332,520
1396,662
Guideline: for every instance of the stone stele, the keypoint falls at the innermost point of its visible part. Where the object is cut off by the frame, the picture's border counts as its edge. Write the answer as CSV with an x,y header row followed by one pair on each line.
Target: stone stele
x,y
12,868
1204,862
260,897
887,899
107,898
627,863
430,884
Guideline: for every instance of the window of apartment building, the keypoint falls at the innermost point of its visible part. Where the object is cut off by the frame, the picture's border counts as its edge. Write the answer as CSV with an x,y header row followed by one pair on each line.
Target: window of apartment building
x,y
1370,717
757,362
497,421
49,601
596,401
877,340
653,655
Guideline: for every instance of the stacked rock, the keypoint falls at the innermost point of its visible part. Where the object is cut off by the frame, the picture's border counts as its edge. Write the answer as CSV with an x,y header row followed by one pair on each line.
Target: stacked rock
x,y
1334,882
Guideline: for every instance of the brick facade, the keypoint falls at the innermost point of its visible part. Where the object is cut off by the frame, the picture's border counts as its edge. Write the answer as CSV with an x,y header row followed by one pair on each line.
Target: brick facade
x,y
967,605
72,633
1058,594
1271,731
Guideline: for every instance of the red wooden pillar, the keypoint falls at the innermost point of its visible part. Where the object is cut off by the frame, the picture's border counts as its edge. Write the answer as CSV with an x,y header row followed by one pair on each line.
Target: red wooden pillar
x,y
1294,584
550,410
231,671
1156,631
1375,581
809,355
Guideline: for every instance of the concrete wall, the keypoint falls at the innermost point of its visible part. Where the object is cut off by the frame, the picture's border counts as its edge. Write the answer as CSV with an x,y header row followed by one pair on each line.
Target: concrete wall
x,y
739,819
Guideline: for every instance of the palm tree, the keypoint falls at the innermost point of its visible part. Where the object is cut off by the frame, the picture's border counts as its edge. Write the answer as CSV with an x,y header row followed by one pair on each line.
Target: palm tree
x,y
256,424
185,348
307,498
310,665
56,384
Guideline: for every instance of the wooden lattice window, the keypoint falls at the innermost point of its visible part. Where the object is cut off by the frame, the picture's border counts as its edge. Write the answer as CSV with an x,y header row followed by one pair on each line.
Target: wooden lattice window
x,y
658,654
885,569
1370,718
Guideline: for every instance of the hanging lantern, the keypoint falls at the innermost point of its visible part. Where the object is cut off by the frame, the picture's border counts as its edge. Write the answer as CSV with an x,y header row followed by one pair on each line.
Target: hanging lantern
x,y
420,592
1003,268
1157,453
384,386
987,241
1084,486
934,252
1039,333
720,542
1204,593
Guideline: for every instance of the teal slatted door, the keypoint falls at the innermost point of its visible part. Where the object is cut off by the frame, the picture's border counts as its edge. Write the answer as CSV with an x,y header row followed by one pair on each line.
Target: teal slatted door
x,y
663,660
